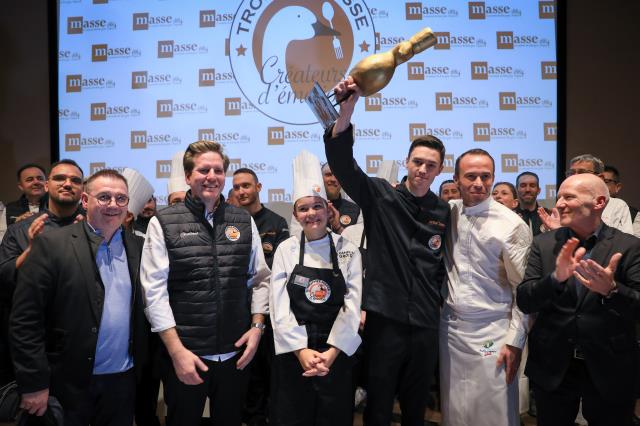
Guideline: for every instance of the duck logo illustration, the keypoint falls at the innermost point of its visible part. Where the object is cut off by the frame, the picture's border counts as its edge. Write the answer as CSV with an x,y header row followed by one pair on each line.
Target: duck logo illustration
x,y
278,49
318,291
232,233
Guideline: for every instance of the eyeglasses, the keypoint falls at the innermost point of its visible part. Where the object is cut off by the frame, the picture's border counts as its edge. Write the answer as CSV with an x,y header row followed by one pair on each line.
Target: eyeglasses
x,y
572,172
104,199
608,181
63,178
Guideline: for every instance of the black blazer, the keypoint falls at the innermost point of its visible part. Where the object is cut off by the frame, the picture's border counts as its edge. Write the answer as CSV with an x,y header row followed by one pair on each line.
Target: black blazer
x,y
57,308
603,328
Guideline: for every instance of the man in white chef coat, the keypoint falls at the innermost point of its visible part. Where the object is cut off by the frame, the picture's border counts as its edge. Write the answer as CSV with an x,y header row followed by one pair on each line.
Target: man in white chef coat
x,y
482,332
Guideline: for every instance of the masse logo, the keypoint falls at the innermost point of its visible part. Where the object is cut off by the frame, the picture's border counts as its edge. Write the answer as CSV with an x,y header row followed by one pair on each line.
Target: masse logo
x,y
278,49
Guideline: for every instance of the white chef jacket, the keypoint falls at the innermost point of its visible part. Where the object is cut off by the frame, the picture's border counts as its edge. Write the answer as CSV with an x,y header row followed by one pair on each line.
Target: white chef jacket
x,y
288,335
354,233
487,246
616,214
636,226
154,273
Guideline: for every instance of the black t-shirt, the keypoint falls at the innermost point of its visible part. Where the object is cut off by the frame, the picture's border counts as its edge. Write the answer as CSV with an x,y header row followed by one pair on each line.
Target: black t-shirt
x,y
273,230
349,212
532,219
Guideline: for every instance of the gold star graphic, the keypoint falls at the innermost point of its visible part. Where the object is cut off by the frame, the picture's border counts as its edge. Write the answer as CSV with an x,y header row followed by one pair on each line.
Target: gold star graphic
x,y
364,47
241,50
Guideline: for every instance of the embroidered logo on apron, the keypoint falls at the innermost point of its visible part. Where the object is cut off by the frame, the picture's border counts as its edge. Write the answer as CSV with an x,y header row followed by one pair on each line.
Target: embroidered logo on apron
x,y
232,233
488,349
345,219
435,242
317,291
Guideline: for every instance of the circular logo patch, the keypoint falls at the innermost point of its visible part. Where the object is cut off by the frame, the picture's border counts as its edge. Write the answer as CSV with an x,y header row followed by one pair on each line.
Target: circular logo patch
x,y
318,291
267,247
278,48
345,219
316,189
232,233
435,242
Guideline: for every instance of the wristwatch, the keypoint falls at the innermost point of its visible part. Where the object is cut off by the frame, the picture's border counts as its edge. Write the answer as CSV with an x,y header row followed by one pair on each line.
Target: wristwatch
x,y
259,325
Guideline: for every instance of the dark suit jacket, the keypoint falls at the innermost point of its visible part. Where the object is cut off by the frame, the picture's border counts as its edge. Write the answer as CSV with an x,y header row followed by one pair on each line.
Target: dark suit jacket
x,y
20,206
57,308
603,328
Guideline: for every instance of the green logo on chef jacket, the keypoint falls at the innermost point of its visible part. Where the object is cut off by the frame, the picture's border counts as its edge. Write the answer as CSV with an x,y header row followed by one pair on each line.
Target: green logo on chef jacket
x,y
488,349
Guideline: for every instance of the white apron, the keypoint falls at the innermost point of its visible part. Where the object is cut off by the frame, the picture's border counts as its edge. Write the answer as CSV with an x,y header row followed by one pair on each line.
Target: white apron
x,y
473,390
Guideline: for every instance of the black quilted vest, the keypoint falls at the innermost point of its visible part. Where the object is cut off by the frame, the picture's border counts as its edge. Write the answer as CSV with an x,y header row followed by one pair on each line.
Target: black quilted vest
x,y
208,274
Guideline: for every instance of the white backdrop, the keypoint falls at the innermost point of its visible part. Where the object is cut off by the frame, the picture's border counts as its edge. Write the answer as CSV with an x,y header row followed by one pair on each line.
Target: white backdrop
x,y
140,80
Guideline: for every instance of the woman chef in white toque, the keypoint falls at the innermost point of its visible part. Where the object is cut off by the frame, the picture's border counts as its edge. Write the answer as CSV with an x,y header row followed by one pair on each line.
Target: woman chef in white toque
x,y
316,287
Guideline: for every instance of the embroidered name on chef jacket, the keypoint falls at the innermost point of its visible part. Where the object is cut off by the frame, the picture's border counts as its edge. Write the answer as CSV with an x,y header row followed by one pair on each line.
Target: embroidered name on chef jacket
x,y
345,256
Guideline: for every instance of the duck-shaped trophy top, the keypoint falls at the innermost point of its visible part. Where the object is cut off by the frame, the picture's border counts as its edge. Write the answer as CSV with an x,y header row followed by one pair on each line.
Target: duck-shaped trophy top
x,y
371,75
374,72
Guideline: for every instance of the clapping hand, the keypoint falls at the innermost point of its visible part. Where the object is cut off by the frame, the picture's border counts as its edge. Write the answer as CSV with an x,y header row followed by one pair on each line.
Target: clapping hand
x,y
550,221
595,277
567,260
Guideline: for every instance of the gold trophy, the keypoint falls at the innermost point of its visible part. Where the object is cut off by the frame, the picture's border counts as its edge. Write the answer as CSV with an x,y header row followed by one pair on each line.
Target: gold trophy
x,y
371,74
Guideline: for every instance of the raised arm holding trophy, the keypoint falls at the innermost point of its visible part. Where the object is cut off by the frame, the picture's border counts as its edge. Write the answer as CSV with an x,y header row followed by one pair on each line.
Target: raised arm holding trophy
x,y
405,227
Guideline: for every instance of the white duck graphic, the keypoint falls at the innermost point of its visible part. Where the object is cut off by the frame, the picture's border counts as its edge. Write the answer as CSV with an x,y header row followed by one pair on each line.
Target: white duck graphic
x,y
278,35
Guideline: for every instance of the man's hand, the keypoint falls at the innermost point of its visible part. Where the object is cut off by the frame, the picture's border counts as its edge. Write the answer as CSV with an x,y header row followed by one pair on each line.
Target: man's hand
x,y
509,356
186,364
567,260
334,219
363,319
79,218
35,229
595,277
347,106
35,402
251,338
550,221
23,216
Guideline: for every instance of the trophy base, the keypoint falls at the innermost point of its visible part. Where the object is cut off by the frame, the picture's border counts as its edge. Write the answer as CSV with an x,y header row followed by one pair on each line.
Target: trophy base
x,y
321,106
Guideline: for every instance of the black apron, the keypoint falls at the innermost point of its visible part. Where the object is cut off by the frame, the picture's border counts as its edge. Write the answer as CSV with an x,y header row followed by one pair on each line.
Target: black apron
x,y
316,297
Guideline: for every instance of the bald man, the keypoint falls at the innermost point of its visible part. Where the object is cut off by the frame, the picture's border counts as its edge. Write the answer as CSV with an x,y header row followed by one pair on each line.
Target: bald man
x,y
583,283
